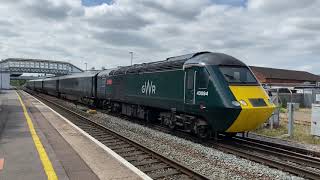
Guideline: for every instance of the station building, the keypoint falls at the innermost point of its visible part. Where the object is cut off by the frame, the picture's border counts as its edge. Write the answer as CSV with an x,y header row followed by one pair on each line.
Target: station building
x,y
305,86
273,77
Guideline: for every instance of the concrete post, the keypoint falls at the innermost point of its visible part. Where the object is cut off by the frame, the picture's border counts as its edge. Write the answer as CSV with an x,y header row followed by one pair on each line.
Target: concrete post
x,y
274,120
277,112
271,120
290,118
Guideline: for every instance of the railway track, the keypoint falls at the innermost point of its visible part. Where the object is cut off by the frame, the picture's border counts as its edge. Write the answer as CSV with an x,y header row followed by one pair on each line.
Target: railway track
x,y
282,146
276,150
294,160
148,161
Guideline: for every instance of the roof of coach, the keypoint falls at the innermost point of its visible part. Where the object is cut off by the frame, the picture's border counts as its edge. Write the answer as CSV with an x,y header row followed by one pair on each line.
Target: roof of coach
x,y
80,75
50,78
106,72
177,62
36,80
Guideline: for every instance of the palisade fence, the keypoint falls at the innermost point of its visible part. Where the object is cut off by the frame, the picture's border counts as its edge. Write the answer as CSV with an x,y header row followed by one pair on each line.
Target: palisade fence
x,y
305,99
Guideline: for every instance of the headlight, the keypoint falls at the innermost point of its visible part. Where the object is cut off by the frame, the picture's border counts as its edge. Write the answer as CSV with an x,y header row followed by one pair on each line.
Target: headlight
x,y
243,102
236,103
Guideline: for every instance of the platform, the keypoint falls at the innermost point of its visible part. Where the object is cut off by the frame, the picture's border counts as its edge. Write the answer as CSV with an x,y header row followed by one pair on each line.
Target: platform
x,y
66,152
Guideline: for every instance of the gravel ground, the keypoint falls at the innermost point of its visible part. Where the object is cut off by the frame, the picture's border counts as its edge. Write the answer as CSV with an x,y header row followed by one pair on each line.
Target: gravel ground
x,y
208,161
286,142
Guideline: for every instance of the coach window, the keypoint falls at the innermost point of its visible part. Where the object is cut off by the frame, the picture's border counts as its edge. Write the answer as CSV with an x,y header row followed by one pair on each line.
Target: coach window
x,y
203,78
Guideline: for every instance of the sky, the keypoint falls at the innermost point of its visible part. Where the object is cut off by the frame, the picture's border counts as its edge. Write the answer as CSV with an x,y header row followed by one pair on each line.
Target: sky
x,y
272,33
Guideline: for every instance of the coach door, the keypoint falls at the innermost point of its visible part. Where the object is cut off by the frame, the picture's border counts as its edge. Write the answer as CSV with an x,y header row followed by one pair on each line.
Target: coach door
x,y
190,86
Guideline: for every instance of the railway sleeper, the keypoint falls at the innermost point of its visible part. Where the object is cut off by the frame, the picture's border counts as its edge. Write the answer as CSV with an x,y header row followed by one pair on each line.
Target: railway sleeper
x,y
121,147
145,162
92,131
97,133
147,169
125,155
138,158
104,137
126,150
115,144
109,141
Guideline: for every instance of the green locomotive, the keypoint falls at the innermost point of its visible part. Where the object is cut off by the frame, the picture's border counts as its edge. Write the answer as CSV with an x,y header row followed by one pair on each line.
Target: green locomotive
x,y
202,93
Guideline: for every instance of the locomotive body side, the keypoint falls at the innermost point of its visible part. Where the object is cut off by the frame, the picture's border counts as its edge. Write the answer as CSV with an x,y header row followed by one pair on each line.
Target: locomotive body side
x,y
163,90
197,96
166,91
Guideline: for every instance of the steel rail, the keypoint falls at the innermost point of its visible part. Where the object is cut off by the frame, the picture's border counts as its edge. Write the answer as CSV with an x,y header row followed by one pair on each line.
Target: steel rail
x,y
282,146
267,160
285,154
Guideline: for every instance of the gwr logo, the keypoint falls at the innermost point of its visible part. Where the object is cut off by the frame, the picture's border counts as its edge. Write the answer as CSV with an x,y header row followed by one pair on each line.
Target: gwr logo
x,y
148,88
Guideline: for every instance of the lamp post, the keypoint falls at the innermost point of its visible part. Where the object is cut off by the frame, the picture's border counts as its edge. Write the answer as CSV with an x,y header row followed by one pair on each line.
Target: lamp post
x,y
1,75
86,65
131,53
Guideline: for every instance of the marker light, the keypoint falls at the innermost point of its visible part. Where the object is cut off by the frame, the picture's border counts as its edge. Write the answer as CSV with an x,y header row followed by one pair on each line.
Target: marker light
x,y
236,103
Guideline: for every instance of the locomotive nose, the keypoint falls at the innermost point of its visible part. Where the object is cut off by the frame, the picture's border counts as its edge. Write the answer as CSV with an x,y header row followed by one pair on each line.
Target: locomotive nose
x,y
255,108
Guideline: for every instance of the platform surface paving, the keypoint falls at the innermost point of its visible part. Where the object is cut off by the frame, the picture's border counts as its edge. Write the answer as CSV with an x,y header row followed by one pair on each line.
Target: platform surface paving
x,y
72,155
20,157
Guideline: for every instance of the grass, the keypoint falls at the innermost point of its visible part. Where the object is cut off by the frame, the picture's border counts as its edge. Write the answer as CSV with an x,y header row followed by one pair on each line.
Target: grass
x,y
301,133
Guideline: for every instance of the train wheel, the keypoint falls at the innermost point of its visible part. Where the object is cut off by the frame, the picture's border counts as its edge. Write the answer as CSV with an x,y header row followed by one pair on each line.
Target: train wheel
x,y
202,132
172,122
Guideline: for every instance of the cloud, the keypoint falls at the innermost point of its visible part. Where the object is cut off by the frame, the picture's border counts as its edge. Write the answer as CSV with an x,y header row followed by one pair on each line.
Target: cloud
x,y
276,6
114,17
8,33
274,33
179,8
126,38
50,9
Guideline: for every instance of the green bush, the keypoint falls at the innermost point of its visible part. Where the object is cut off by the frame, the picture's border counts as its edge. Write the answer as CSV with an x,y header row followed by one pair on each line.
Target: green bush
x,y
283,110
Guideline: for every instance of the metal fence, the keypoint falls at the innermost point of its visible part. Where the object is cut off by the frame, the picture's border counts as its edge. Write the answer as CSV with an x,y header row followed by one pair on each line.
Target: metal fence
x,y
305,99
302,100
285,98
311,96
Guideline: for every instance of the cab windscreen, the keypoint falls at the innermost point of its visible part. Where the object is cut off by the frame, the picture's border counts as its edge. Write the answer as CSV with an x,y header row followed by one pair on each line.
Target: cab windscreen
x,y
238,75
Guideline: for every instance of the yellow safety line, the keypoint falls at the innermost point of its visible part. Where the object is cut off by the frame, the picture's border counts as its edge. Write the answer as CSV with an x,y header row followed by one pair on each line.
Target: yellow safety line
x,y
48,168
